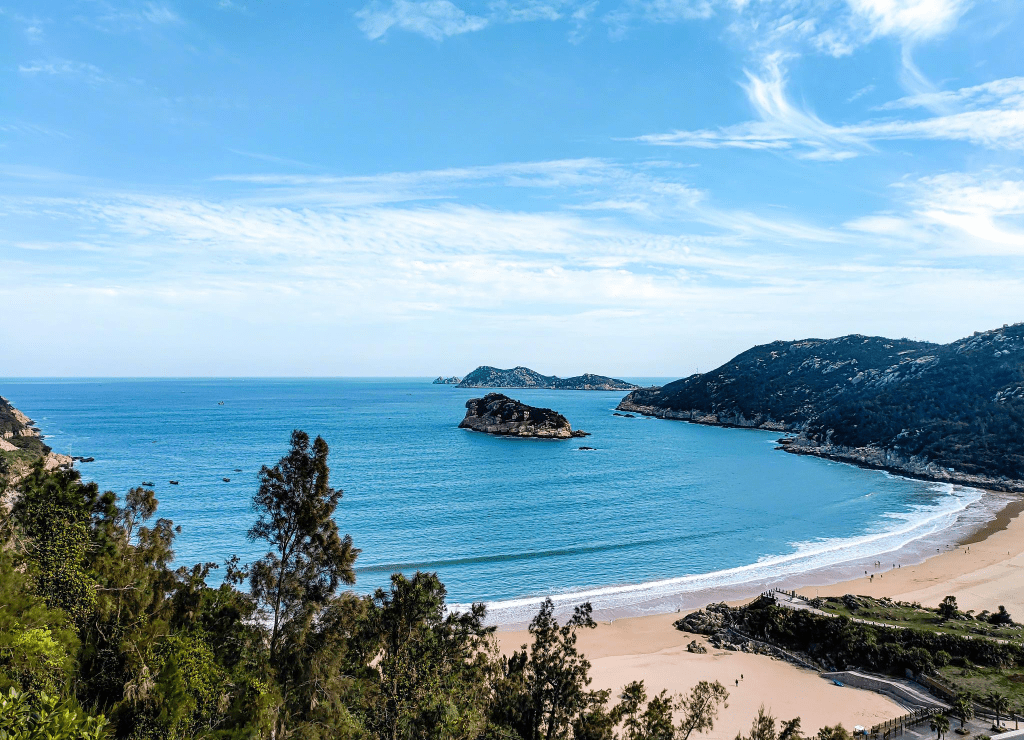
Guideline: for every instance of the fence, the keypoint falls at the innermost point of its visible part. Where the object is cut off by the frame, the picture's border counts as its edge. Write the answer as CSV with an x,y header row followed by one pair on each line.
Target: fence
x,y
896,727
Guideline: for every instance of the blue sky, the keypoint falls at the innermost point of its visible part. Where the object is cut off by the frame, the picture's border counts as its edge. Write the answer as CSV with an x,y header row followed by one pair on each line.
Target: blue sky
x,y
404,187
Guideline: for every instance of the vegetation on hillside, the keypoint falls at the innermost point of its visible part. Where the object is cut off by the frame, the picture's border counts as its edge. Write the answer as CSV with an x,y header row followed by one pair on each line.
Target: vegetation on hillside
x,y
959,405
921,641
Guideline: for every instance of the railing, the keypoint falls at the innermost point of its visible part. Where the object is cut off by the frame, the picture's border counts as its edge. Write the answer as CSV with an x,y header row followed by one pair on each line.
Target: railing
x,y
896,727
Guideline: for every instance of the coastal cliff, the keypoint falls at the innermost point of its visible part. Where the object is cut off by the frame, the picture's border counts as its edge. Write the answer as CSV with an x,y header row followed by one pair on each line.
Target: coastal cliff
x,y
952,413
21,447
500,415
523,377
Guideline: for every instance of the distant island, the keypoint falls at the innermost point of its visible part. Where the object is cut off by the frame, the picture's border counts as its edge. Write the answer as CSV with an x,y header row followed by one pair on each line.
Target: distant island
x,y
952,412
523,377
500,415
441,380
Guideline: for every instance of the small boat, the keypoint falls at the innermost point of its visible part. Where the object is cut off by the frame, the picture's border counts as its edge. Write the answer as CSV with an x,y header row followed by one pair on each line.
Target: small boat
x,y
226,480
173,482
148,483
837,683
238,470
220,403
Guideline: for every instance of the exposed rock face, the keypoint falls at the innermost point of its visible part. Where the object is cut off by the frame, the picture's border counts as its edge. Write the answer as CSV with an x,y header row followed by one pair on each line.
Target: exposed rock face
x,y
939,412
707,621
912,466
446,381
523,377
498,414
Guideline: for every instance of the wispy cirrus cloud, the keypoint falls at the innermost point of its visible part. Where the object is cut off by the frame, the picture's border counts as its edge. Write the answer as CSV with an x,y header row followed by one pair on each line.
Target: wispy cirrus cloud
x,y
435,19
615,249
834,27
956,213
989,115
81,71
911,20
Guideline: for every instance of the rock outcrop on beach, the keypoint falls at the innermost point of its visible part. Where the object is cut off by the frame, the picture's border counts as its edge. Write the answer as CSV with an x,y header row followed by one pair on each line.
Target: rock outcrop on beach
x,y
952,412
500,415
441,380
523,377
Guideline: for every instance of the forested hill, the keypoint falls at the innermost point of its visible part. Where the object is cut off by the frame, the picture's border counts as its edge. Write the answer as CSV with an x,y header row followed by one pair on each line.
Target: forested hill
x,y
916,407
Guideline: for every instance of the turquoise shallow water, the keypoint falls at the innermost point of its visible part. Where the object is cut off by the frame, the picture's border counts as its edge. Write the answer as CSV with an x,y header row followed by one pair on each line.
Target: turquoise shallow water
x,y
659,510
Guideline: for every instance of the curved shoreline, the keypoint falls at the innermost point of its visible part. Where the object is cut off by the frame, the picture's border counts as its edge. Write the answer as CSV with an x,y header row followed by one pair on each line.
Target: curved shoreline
x,y
989,574
970,517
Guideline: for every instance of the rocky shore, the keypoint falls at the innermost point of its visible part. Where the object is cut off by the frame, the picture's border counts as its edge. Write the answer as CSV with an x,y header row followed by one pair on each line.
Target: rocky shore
x,y
702,417
892,461
875,458
500,415
21,447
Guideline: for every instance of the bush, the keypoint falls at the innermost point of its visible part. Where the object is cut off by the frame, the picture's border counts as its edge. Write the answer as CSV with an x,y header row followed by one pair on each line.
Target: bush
x,y
30,716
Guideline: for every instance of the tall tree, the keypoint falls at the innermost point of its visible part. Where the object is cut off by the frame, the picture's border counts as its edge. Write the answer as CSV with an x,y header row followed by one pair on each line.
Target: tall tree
x,y
999,703
699,708
308,558
963,708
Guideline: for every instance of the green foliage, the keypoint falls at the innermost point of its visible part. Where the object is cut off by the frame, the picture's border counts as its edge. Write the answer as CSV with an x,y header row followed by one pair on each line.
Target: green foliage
x,y
1000,704
41,716
92,614
939,724
840,642
764,728
36,646
948,608
835,732
700,708
308,558
1001,617
952,404
962,708
432,667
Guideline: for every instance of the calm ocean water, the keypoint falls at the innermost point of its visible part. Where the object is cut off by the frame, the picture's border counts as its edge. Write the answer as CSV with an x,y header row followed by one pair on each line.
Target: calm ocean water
x,y
658,511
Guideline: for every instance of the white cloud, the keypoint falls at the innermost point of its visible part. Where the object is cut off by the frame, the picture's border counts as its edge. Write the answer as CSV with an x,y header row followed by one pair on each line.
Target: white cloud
x,y
991,115
860,93
83,71
910,19
193,284
957,214
1006,93
782,125
435,19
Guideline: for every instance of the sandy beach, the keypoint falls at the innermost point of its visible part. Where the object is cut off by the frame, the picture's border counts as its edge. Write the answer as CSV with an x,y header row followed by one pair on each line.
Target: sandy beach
x,y
983,571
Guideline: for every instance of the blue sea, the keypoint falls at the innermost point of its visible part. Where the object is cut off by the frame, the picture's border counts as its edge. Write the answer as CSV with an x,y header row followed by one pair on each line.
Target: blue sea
x,y
661,515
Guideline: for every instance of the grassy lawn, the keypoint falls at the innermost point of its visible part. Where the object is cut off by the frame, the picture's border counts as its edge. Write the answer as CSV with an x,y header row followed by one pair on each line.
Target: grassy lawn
x,y
902,614
982,681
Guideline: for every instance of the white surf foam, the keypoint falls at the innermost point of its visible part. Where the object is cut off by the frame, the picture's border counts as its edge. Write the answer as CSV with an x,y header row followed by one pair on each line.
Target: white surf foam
x,y
907,538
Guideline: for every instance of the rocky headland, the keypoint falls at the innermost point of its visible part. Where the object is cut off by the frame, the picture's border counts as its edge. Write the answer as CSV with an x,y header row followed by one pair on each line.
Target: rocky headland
x,y
523,377
441,380
21,447
500,415
951,413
